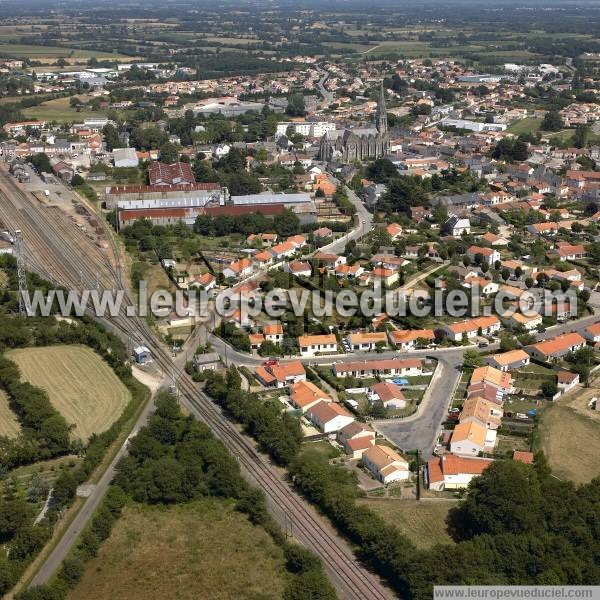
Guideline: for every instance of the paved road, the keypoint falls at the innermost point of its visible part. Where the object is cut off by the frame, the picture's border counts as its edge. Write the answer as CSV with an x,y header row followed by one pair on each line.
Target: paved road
x,y
327,95
60,551
420,431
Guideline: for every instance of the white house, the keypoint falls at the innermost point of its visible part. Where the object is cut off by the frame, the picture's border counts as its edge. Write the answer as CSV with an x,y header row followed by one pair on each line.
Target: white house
x,y
385,464
387,393
329,417
450,472
314,344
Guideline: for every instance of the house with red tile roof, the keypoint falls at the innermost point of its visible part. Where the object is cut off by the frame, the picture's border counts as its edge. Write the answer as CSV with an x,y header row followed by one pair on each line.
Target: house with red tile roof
x,y
557,347
451,472
356,438
280,374
305,394
238,269
329,417
471,328
310,345
508,361
386,367
592,334
490,255
367,341
406,339
386,464
388,394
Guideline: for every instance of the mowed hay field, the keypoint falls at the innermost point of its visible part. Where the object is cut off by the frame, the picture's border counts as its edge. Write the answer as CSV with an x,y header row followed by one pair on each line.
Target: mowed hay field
x,y
9,426
423,522
201,550
81,386
569,435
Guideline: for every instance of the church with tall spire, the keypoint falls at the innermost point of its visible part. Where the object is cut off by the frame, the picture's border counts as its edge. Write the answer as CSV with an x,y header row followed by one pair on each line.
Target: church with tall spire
x,y
348,145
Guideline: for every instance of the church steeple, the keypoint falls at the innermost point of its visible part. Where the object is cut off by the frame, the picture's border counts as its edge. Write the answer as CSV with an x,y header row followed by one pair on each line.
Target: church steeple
x,y
381,115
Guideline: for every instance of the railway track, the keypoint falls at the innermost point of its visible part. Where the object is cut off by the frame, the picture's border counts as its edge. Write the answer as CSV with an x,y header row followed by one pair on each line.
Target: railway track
x,y
59,251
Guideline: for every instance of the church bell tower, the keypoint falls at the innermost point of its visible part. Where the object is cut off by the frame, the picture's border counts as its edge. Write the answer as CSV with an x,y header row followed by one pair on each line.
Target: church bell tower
x,y
381,115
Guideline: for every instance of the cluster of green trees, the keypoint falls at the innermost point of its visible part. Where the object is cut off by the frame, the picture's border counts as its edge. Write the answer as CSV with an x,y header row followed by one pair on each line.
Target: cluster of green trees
x,y
144,236
284,224
277,433
404,191
511,150
45,432
173,460
237,337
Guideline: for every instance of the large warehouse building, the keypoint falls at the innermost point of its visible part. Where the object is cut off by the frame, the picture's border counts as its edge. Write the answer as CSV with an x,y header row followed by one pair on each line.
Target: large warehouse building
x,y
167,205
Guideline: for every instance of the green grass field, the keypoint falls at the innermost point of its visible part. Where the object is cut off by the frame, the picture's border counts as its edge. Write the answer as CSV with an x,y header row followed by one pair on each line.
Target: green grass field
x,y
527,125
9,425
81,386
200,550
52,52
59,109
424,522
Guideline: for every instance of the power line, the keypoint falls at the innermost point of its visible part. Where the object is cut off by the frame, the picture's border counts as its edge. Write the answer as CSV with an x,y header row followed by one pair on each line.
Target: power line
x,y
24,300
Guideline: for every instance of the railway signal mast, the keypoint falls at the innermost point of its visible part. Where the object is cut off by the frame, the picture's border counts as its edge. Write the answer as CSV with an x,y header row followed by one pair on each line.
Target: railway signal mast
x,y
24,300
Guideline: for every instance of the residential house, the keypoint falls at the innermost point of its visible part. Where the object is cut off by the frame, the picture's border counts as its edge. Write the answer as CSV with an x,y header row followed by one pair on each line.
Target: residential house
x,y
494,240
262,259
315,344
395,231
238,269
280,375
451,472
388,394
556,347
386,464
471,328
592,334
356,438
209,361
329,417
386,277
346,271
508,361
367,341
486,287
472,438
571,251
490,255
328,260
207,282
305,394
456,226
298,268
387,367
273,332
482,411
406,339
518,319
501,380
